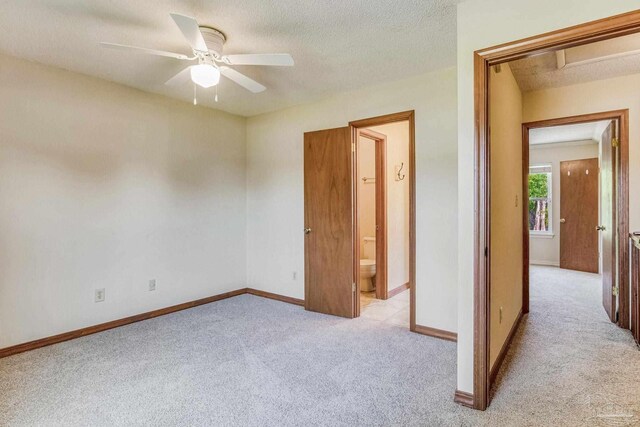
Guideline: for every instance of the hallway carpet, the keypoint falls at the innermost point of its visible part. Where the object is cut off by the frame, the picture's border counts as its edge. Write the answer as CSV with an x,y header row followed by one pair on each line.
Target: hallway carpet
x,y
251,361
569,364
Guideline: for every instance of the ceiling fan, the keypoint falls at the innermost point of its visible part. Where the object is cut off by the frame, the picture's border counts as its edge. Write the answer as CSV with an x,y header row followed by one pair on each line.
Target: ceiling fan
x,y
206,44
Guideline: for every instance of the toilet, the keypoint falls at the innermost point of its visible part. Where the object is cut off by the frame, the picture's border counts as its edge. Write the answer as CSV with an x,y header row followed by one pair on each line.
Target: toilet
x,y
368,265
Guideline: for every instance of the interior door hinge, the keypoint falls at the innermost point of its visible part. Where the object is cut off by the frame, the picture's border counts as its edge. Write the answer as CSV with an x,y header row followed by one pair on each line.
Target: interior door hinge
x,y
353,147
353,287
615,142
615,290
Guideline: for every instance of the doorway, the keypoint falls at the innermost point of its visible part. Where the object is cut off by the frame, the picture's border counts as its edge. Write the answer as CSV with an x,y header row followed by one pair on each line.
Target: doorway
x,y
592,219
383,222
564,199
371,149
334,246
484,61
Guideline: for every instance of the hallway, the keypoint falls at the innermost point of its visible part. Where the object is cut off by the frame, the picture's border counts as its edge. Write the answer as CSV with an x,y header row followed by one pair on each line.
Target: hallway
x,y
569,365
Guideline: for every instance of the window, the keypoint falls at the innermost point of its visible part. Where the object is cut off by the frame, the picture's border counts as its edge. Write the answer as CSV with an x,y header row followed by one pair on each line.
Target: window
x,y
540,203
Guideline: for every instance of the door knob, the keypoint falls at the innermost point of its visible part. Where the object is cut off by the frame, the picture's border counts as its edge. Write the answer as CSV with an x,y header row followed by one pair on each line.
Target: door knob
x,y
600,228
307,230
562,220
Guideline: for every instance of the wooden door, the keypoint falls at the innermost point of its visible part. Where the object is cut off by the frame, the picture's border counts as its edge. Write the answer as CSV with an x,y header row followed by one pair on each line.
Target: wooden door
x,y
329,222
608,221
635,287
579,215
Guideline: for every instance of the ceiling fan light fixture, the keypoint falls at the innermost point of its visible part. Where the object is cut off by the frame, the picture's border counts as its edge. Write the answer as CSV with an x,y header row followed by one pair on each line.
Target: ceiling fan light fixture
x,y
205,75
207,45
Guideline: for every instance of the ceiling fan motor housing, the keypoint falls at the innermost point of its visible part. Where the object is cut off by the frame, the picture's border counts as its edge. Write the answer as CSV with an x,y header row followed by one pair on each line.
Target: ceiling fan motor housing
x,y
214,40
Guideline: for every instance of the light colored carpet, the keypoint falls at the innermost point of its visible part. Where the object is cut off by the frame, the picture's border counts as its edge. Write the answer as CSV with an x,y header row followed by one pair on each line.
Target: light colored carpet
x,y
251,361
569,365
242,361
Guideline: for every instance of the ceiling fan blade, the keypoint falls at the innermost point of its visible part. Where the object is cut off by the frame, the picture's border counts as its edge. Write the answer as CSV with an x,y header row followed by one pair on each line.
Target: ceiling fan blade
x,y
242,80
145,50
277,59
191,31
181,78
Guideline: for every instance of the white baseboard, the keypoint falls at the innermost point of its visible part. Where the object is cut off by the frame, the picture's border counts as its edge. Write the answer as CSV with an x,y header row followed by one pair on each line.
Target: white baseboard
x,y
551,263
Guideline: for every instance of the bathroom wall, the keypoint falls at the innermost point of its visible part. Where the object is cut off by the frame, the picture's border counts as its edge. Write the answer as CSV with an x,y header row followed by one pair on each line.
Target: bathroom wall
x,y
397,202
104,186
366,191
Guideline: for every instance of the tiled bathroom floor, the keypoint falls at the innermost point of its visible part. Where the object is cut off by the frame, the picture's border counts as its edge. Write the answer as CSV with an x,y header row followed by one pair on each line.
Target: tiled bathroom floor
x,y
393,311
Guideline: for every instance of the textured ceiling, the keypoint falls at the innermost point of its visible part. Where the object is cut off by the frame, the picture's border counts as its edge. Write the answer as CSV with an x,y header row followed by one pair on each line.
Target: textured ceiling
x,y
582,132
541,71
337,45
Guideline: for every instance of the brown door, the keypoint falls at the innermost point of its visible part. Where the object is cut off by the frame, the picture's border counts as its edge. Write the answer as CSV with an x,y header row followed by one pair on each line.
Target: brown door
x,y
607,229
635,288
579,215
329,222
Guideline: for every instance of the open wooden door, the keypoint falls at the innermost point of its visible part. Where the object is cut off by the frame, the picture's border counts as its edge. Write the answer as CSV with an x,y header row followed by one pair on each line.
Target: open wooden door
x,y
329,222
579,215
608,221
635,287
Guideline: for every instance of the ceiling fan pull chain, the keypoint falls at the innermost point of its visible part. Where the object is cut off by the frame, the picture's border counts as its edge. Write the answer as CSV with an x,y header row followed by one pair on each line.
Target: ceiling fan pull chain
x,y
195,94
216,97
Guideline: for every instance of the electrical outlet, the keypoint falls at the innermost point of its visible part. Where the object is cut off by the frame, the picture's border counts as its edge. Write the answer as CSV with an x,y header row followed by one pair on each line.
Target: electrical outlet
x,y
500,314
99,296
152,284
294,275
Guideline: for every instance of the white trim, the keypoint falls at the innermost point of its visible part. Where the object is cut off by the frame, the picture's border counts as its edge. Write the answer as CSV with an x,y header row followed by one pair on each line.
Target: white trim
x,y
550,177
578,143
545,166
601,58
549,263
541,234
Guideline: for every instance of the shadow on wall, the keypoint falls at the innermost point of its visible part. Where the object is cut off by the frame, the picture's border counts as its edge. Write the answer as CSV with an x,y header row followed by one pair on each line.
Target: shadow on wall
x,y
85,131
103,186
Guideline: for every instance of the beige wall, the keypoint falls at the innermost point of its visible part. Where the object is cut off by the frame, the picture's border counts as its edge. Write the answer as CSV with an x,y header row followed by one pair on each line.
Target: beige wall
x,y
481,24
545,249
397,203
505,105
276,189
603,95
102,186
366,191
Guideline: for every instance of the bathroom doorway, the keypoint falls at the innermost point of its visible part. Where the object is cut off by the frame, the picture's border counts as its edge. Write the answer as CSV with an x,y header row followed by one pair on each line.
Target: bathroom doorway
x,y
383,217
335,245
372,212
